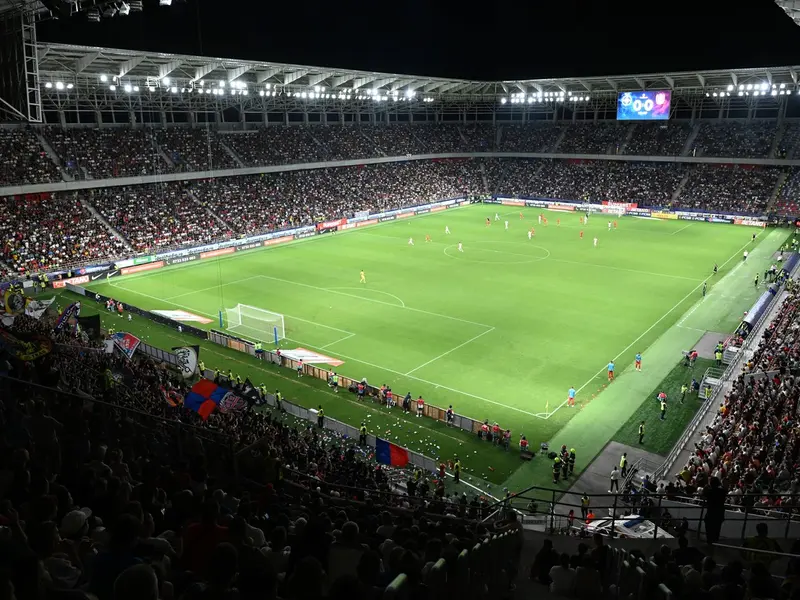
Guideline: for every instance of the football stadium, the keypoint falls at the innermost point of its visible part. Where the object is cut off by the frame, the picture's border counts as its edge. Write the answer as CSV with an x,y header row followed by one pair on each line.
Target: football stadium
x,y
290,331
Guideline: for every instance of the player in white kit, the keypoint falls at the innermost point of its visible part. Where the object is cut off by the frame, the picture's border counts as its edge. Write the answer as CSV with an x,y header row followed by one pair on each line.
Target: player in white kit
x,y
447,230
530,235
595,242
506,224
496,217
460,249
609,225
410,241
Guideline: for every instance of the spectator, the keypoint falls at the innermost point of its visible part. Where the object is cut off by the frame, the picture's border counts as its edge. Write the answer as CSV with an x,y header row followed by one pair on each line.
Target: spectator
x,y
562,577
545,560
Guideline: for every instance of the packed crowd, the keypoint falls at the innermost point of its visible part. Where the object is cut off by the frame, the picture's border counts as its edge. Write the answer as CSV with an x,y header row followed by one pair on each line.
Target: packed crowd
x,y
23,161
649,184
658,139
156,216
107,152
49,231
257,203
114,494
119,152
743,189
731,139
788,200
752,446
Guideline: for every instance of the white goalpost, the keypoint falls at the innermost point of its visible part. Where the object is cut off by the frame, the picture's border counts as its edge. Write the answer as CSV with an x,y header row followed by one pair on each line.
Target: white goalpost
x,y
257,321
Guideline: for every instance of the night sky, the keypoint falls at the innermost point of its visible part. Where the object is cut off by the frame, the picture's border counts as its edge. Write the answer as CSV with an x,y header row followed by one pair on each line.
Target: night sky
x,y
493,40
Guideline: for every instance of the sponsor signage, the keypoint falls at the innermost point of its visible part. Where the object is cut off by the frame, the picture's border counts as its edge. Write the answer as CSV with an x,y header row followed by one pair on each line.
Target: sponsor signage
x,y
750,222
58,284
280,240
106,275
438,208
639,212
405,215
492,201
139,268
625,205
182,316
311,357
720,220
692,218
562,207
664,215
464,203
179,260
123,263
305,234
368,222
423,211
143,260
537,203
389,218
220,252
330,225
249,246
505,202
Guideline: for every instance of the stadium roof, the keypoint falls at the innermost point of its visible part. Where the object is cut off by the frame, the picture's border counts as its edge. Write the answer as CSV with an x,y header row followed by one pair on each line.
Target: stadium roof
x,y
84,66
791,7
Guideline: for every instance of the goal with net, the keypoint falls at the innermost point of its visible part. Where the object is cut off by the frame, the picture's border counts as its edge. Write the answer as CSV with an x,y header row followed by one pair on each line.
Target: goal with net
x,y
255,322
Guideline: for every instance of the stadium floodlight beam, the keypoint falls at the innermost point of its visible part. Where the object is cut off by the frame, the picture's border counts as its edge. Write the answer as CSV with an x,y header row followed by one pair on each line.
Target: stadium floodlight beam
x,y
103,77
48,85
59,85
128,88
112,87
70,86
165,81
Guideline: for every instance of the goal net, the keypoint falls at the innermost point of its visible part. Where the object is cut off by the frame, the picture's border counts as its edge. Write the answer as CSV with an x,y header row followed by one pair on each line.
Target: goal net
x,y
256,322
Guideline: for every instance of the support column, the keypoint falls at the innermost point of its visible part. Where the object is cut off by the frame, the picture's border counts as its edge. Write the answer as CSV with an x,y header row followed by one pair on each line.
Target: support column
x,y
98,118
163,114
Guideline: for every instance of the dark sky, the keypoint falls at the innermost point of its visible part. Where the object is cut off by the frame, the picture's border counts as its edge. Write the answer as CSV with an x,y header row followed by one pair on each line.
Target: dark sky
x,y
481,40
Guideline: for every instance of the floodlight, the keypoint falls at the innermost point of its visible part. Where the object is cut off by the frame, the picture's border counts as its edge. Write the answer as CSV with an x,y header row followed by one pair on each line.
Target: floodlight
x,y
48,85
165,81
112,87
730,87
151,89
128,88
174,90
124,9
59,85
316,88
714,94
783,85
741,93
136,88
741,86
267,85
93,15
221,84
103,78
70,86
261,92
165,2
764,86
749,86
774,92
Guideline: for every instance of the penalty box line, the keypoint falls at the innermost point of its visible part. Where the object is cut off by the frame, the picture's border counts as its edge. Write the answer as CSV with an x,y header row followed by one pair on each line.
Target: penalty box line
x,y
649,329
351,358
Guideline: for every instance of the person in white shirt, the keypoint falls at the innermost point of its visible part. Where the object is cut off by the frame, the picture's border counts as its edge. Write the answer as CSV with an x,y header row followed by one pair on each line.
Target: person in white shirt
x,y
506,224
529,234
562,578
615,476
460,249
447,230
496,217
595,242
410,241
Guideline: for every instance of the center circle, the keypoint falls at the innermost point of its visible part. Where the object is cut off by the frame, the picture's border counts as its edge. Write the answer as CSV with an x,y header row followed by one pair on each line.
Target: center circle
x,y
496,257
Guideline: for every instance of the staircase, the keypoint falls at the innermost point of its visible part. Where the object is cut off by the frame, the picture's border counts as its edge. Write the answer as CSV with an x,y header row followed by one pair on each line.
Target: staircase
x,y
560,139
498,138
93,211
628,136
773,198
776,142
463,137
230,152
84,173
214,215
320,144
166,158
53,156
371,141
687,147
676,194
483,177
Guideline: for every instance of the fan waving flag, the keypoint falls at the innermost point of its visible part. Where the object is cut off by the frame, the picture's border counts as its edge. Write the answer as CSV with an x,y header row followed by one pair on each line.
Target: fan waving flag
x,y
387,453
206,396
126,342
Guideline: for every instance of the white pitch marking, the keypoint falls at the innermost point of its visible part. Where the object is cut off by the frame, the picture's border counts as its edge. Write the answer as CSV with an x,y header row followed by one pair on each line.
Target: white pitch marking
x,y
443,354
211,288
681,229
400,300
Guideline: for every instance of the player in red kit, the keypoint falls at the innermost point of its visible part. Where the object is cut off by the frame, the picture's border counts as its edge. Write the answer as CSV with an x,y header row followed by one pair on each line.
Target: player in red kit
x,y
558,222
521,216
581,233
420,406
615,224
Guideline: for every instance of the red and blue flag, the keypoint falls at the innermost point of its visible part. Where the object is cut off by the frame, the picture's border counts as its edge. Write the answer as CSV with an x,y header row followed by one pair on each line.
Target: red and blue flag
x,y
387,453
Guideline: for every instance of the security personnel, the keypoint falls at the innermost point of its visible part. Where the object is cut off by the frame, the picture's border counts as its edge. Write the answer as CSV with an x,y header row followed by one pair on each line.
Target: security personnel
x,y
110,331
362,435
216,375
564,466
708,392
556,469
684,389
663,408
202,366
718,357
457,470
335,382
259,350
584,506
278,399
230,375
238,379
641,432
761,541
571,460
320,417
623,464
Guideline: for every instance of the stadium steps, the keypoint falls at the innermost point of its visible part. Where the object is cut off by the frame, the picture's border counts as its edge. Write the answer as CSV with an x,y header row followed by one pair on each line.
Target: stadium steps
x,y
676,194
378,149
773,198
53,156
687,147
214,215
498,139
560,139
482,168
165,156
231,153
96,214
776,141
627,139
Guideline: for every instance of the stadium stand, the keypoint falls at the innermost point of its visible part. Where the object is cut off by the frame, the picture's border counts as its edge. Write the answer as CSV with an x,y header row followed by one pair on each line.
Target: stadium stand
x,y
397,139
787,147
23,160
274,146
736,140
343,142
529,138
156,216
727,187
788,201
657,139
50,232
593,138
107,152
441,137
194,149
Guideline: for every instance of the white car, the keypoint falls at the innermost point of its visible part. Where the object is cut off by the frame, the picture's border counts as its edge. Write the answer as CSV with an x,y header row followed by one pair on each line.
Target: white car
x,y
629,526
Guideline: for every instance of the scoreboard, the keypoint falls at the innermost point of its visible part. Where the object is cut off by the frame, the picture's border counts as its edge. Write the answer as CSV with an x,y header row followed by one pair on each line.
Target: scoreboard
x,y
644,106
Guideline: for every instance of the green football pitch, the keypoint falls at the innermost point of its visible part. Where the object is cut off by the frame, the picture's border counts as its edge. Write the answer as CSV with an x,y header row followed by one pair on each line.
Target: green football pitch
x,y
500,330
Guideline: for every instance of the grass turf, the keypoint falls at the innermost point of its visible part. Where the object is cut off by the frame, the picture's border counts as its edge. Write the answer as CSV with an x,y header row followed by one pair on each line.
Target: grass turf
x,y
500,331
660,436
